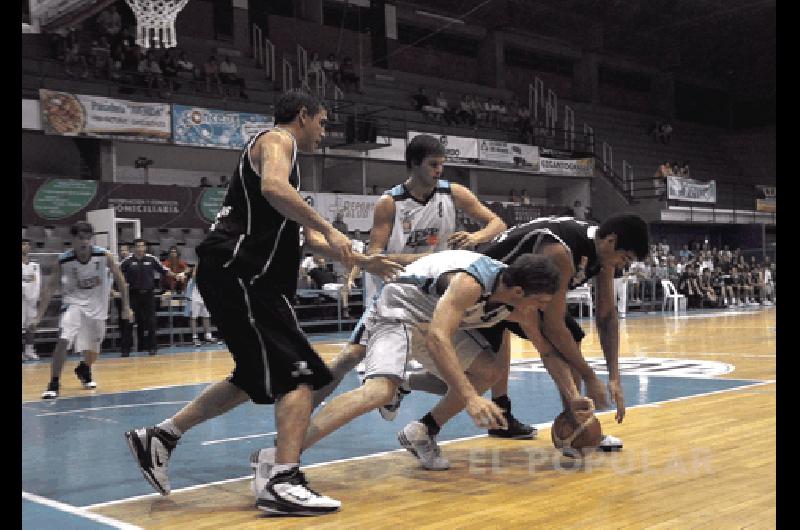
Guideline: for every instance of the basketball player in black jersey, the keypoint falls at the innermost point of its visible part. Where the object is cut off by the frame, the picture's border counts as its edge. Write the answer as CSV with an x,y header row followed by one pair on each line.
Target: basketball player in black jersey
x,y
247,273
581,251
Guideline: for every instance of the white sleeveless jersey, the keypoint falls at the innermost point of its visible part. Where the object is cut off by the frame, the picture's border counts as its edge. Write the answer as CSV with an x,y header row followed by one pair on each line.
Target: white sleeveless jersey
x,y
418,227
31,280
86,285
412,298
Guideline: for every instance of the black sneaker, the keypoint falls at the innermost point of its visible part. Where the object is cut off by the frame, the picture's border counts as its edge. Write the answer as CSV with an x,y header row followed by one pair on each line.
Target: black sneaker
x,y
516,429
152,447
52,390
84,373
287,493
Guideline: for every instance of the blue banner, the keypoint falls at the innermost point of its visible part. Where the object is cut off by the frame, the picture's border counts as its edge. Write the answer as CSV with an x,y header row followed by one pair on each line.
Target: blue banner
x,y
197,126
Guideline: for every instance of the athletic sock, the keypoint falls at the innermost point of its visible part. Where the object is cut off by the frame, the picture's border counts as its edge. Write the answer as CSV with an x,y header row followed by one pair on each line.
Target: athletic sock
x,y
170,427
280,468
428,421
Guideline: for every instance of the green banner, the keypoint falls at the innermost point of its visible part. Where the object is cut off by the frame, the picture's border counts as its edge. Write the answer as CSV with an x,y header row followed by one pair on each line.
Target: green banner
x,y
61,198
210,202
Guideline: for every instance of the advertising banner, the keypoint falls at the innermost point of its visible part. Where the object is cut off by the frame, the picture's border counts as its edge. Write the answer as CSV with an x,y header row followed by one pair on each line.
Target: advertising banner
x,y
582,167
77,115
457,149
765,198
683,189
498,153
215,128
356,210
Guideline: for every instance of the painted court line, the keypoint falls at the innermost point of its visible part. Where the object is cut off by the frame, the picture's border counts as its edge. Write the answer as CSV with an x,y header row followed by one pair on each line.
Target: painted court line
x,y
655,404
151,404
223,440
81,512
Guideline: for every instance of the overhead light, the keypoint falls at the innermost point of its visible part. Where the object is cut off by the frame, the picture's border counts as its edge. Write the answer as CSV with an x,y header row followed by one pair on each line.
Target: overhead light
x,y
440,17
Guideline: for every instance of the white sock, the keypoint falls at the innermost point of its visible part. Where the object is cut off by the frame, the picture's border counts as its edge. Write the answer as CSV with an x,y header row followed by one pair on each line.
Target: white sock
x,y
208,336
170,427
280,468
29,348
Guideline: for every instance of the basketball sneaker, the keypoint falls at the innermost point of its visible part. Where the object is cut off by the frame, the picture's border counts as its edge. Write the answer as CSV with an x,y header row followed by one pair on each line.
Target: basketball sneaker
x,y
52,390
389,411
197,343
30,354
261,462
84,373
287,493
415,438
516,429
610,443
152,447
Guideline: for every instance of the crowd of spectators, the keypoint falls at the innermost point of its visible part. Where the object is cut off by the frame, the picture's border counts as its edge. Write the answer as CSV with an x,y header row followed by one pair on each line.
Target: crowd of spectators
x,y
340,74
708,277
668,169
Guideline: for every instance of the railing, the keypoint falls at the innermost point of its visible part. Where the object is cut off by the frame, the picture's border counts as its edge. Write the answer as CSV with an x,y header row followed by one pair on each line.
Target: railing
x,y
287,75
263,52
302,65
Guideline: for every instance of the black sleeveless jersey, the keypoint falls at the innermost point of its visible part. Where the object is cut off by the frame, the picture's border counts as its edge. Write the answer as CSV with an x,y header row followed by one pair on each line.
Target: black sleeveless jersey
x,y
577,236
249,236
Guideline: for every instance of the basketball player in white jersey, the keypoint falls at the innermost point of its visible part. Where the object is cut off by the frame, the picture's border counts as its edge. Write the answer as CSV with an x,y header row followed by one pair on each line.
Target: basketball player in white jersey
x,y
83,274
412,220
31,282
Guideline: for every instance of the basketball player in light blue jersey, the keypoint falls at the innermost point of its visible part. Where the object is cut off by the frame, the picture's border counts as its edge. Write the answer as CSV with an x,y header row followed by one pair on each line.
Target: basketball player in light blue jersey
x,y
83,274
410,221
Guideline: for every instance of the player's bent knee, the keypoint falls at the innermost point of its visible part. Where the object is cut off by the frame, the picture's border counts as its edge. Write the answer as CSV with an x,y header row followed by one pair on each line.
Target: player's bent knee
x,y
379,391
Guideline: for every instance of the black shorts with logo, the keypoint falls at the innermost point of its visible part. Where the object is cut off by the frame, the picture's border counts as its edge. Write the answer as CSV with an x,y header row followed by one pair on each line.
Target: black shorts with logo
x,y
494,334
271,353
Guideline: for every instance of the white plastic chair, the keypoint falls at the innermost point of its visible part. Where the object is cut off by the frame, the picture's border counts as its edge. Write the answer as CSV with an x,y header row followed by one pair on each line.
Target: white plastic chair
x,y
671,293
581,295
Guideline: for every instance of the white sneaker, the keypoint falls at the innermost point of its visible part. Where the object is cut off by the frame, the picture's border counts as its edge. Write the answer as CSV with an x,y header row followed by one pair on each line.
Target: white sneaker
x,y
361,368
261,462
414,364
287,493
609,443
30,355
415,438
152,447
389,411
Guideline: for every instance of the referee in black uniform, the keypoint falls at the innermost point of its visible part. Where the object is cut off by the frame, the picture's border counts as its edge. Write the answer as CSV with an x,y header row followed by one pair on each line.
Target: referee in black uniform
x,y
247,273
139,269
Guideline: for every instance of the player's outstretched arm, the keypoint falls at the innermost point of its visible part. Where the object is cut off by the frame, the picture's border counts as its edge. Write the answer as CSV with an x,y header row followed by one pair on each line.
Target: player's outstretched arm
x,y
463,292
465,200
608,331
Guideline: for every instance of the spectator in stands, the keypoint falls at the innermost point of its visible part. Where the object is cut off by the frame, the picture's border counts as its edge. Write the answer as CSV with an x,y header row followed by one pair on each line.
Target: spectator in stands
x,y
229,74
223,181
663,247
666,133
204,183
125,326
101,58
685,252
317,270
660,180
139,270
374,190
196,308
490,108
109,24
73,55
211,74
441,105
331,68
687,286
523,122
579,211
478,109
707,289
513,197
150,71
638,273
169,69
684,171
447,114
502,114
465,114
186,68
348,77
176,282
31,287
314,69
675,169
524,197
420,99
765,285
339,223
130,55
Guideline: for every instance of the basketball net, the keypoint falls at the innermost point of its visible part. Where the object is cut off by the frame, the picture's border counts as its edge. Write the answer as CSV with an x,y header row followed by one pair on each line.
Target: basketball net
x,y
155,21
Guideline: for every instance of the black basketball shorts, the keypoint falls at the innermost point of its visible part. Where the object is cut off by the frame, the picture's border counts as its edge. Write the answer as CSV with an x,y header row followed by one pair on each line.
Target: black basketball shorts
x,y
495,334
271,354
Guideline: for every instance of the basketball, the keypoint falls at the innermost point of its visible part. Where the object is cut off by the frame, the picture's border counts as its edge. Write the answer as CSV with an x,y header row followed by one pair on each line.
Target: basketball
x,y
563,430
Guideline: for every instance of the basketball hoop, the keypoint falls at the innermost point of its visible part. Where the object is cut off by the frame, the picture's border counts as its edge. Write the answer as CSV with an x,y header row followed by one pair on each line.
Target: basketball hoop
x,y
155,21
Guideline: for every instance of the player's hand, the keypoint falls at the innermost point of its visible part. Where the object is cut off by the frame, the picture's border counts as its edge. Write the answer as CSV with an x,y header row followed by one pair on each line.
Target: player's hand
x,y
381,266
582,408
485,413
342,247
615,391
128,315
596,391
461,240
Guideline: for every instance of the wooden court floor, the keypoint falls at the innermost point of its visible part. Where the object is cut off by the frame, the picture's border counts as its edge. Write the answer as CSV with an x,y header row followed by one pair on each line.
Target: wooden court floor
x,y
700,462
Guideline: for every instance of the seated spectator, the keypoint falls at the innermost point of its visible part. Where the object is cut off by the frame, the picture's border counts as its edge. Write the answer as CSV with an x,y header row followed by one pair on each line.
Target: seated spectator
x,y
685,170
490,108
708,290
465,114
348,77
435,111
186,67
109,24
339,224
179,268
374,190
101,58
169,70
331,68
513,197
420,99
579,211
229,74
130,55
687,286
211,74
660,180
223,181
502,114
638,273
318,272
73,55
676,169
314,70
115,65
204,183
150,71
524,198
479,109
